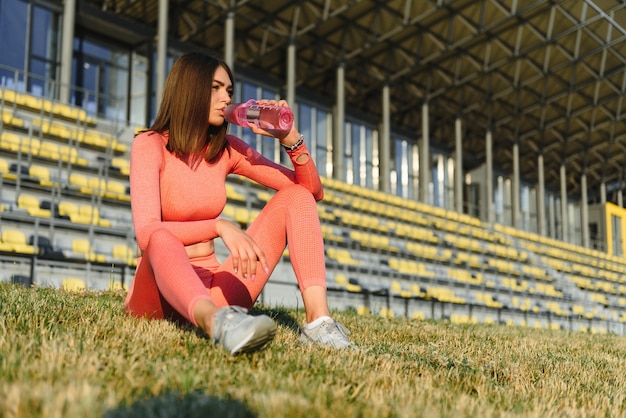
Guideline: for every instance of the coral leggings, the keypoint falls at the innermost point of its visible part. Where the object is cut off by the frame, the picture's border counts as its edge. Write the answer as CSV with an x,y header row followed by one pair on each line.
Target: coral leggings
x,y
168,283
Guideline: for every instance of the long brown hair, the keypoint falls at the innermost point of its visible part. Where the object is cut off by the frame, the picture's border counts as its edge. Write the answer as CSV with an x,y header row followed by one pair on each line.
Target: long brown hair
x,y
184,110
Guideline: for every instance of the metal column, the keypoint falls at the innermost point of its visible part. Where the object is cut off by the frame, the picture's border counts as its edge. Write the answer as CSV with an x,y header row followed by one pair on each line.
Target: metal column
x,y
385,142
339,127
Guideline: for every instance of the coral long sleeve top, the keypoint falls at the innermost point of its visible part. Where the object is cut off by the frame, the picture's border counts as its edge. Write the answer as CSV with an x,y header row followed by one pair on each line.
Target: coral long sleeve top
x,y
168,193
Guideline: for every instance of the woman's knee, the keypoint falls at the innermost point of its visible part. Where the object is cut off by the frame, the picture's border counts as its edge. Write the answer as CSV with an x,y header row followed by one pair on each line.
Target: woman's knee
x,y
295,195
162,238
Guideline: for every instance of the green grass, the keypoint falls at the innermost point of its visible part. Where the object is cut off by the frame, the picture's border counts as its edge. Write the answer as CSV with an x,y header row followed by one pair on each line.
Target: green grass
x,y
68,354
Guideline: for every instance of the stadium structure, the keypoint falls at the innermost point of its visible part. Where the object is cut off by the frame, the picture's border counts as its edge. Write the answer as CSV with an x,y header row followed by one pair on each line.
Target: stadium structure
x,y
472,151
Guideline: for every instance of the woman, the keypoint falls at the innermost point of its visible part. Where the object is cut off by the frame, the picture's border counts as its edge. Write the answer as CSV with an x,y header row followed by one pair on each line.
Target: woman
x,y
178,170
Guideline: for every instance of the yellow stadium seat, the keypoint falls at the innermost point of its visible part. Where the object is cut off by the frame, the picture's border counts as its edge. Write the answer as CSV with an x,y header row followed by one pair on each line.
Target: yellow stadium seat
x,y
82,246
73,284
363,310
11,120
387,313
241,216
5,170
115,286
42,174
232,193
122,164
49,150
10,141
32,205
67,208
15,240
79,180
418,315
397,290
125,253
342,256
91,215
97,185
263,195
343,282
116,190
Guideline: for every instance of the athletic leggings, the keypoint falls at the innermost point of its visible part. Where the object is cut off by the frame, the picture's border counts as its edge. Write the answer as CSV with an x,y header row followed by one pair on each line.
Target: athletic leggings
x,y
168,283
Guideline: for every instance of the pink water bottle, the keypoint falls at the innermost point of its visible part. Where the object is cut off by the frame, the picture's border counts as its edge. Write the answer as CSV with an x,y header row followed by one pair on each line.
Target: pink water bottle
x,y
277,120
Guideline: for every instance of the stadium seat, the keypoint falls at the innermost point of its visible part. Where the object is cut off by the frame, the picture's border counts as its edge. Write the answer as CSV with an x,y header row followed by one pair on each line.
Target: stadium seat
x,y
97,185
69,112
387,313
15,241
363,310
263,195
229,211
33,206
416,291
65,209
79,181
125,253
121,164
232,193
70,154
343,282
488,300
90,214
342,256
82,247
10,141
49,150
115,286
5,170
8,118
418,315
116,190
242,216
73,284
42,174
329,234
396,290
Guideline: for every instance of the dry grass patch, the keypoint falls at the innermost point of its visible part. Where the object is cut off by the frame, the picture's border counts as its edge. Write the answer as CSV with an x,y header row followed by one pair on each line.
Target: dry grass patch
x,y
68,354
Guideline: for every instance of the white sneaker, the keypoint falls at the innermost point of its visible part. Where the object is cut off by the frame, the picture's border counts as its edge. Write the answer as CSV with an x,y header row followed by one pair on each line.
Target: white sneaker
x,y
329,333
239,332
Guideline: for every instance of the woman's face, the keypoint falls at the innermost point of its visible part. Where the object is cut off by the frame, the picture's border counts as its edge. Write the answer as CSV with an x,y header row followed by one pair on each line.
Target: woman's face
x,y
221,96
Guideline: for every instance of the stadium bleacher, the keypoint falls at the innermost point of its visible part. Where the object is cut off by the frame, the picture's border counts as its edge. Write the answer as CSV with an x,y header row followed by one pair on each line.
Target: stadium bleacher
x,y
65,210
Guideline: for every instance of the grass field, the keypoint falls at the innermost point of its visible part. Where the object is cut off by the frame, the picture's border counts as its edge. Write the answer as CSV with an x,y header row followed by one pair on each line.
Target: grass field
x,y
77,355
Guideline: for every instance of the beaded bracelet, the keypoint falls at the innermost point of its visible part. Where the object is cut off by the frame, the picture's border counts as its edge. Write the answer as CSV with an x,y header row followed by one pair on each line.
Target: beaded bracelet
x,y
296,145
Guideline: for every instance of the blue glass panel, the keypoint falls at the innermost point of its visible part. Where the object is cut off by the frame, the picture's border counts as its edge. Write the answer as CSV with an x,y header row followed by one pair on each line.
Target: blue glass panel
x,y
13,18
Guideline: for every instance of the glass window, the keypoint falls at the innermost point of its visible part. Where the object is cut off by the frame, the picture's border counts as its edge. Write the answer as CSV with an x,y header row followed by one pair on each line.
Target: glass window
x,y
354,153
322,135
13,29
248,91
101,77
269,145
304,120
44,52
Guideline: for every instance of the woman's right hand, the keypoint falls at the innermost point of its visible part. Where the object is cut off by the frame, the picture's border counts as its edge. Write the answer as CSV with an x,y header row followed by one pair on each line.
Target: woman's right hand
x,y
245,253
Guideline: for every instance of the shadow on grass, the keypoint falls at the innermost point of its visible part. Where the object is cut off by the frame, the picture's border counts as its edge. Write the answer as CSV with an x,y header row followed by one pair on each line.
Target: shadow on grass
x,y
280,315
177,405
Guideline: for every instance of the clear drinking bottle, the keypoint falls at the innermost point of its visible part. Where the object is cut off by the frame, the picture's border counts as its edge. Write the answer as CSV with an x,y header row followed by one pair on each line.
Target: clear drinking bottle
x,y
277,120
